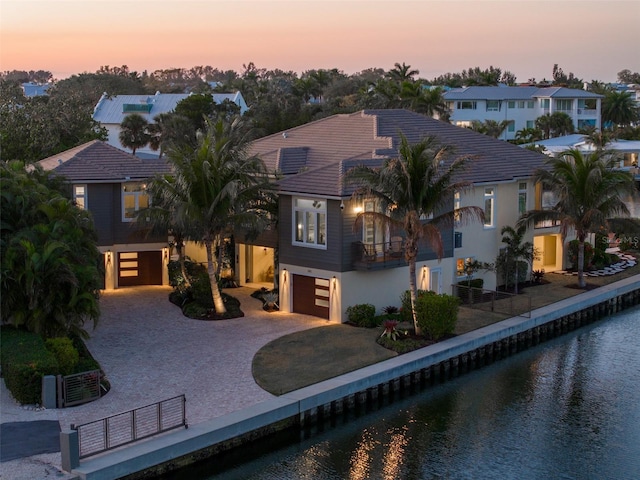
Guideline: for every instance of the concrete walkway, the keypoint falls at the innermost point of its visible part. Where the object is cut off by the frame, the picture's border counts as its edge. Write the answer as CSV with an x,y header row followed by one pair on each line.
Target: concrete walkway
x,y
150,351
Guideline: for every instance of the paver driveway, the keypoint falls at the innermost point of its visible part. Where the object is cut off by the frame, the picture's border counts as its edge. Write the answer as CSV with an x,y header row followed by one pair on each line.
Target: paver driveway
x,y
150,351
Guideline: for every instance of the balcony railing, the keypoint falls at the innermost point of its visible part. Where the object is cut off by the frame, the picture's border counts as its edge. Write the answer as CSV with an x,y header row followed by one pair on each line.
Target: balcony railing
x,y
375,256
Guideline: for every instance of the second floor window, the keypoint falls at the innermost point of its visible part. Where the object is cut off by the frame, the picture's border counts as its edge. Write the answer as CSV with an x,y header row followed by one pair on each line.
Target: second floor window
x,y
522,198
310,222
489,206
493,105
80,196
564,105
134,198
467,105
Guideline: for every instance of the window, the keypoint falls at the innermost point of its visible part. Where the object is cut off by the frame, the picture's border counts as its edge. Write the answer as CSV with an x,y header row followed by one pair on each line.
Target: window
x,y
489,206
545,200
521,103
80,196
530,104
564,105
461,264
456,207
134,198
467,105
545,103
511,104
531,124
493,105
310,222
522,198
511,127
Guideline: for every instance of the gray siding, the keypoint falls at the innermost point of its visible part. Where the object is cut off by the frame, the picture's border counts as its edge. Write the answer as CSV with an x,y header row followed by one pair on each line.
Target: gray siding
x,y
105,204
329,259
101,204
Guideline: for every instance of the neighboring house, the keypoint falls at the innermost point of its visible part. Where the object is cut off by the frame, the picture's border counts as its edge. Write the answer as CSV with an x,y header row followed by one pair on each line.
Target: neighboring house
x,y
521,106
111,184
629,150
111,110
327,265
35,89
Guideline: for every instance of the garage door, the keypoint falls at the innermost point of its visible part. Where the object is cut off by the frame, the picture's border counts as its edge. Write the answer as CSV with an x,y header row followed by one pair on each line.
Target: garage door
x,y
311,296
139,268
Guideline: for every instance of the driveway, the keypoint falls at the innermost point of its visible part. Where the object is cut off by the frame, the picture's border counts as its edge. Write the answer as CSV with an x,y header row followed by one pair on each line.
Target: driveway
x,y
149,352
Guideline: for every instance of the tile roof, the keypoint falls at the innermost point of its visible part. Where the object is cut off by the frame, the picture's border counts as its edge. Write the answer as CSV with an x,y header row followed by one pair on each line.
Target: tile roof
x,y
99,162
337,143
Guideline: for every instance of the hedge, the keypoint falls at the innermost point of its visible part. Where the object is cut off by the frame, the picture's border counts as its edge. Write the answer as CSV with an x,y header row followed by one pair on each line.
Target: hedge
x,y
25,360
437,314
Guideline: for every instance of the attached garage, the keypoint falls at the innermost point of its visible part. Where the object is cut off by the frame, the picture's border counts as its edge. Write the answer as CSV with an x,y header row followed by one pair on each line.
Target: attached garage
x,y
139,268
311,296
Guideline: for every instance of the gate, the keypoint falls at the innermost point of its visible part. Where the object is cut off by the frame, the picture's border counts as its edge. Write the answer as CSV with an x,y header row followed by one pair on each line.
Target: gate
x,y
78,388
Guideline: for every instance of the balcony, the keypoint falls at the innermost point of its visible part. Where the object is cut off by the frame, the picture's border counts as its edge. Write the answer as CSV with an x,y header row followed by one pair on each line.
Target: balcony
x,y
378,256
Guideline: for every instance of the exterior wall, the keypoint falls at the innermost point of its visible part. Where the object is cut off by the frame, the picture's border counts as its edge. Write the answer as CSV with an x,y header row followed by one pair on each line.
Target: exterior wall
x,y
379,288
484,243
520,116
100,203
330,259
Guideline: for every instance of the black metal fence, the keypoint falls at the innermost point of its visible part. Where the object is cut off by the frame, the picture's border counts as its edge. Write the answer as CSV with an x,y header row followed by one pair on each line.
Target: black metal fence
x,y
493,301
128,427
78,388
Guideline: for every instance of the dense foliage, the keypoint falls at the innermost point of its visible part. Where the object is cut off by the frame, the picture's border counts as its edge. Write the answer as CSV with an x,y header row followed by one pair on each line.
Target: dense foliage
x,y
50,273
437,314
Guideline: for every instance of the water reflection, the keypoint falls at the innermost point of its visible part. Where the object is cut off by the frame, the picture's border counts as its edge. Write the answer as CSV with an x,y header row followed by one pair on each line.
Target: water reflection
x,y
565,409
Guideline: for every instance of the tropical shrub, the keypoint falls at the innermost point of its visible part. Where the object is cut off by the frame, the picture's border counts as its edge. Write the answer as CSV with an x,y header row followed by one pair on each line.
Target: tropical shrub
x,y
437,314
572,252
65,352
405,301
362,315
25,360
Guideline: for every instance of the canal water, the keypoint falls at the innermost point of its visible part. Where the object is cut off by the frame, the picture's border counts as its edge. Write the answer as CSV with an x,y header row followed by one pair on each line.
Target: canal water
x,y
566,409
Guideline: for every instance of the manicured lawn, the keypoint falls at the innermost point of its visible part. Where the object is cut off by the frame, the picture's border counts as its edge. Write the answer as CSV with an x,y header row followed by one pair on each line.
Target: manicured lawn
x,y
311,356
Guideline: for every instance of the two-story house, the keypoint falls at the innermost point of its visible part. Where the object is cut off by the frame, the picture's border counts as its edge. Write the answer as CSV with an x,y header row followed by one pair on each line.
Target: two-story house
x,y
110,111
521,106
327,264
111,184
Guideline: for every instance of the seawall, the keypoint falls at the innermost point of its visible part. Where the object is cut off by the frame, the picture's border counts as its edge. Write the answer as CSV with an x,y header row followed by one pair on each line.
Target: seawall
x,y
304,408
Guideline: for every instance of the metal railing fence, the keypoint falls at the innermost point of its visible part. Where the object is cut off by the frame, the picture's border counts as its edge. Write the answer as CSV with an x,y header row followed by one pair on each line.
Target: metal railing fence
x,y
493,301
128,427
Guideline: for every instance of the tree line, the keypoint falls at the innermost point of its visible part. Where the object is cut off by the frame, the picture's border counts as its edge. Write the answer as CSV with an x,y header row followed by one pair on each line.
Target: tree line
x,y
35,128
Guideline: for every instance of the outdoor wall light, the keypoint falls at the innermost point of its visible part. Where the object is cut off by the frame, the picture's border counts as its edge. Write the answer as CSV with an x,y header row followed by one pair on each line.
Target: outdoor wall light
x,y
108,253
284,275
335,282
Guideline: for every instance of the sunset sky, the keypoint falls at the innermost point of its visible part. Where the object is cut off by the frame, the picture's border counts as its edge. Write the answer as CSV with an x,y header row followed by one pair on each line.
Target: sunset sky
x,y
592,39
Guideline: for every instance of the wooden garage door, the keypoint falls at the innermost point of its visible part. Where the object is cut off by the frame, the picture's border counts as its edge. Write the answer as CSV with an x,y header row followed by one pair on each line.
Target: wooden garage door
x,y
311,296
139,268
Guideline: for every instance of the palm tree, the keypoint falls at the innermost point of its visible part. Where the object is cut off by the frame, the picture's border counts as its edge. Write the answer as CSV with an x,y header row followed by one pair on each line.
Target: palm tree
x,y
589,194
402,73
413,186
515,251
215,188
619,108
490,128
134,132
49,274
426,101
556,124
